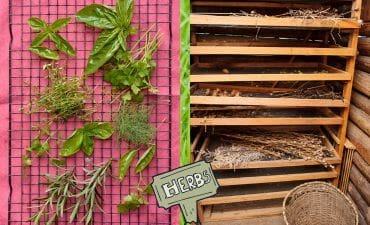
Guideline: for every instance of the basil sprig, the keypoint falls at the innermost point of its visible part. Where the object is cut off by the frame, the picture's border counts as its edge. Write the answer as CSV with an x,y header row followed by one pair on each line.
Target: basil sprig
x,y
116,28
51,32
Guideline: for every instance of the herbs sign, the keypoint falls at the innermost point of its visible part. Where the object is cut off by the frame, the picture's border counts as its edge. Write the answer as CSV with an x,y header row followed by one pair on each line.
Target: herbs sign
x,y
185,186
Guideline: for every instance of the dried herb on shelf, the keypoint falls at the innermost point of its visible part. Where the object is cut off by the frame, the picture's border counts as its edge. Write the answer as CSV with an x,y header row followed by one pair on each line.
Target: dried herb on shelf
x,y
64,97
125,163
145,159
82,138
131,202
54,204
50,31
133,125
91,192
116,25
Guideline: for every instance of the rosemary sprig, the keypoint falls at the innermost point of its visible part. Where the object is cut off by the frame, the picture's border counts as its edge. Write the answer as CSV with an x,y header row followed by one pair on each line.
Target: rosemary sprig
x,y
91,192
60,189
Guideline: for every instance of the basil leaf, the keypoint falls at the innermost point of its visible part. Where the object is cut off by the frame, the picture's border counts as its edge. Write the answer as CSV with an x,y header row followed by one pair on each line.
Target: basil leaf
x,y
73,144
39,39
97,16
101,53
59,24
87,145
145,159
58,162
125,9
99,130
62,44
45,52
37,23
125,162
122,37
131,202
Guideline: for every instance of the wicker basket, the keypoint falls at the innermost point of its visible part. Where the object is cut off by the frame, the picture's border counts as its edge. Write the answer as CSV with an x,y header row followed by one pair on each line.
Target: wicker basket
x,y
318,203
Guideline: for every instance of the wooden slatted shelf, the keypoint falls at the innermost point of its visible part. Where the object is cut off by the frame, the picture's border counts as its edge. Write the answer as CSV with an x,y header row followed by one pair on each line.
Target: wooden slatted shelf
x,y
271,102
218,20
241,50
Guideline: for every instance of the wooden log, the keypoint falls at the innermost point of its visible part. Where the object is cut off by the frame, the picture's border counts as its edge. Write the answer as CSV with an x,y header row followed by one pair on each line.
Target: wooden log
x,y
365,10
361,183
361,101
359,201
363,63
365,29
361,82
364,45
360,118
362,165
360,140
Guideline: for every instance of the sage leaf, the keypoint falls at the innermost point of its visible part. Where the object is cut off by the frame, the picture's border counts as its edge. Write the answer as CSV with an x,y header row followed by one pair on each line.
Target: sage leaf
x,y
87,144
145,159
131,202
125,162
39,39
73,144
45,52
99,130
98,16
62,44
37,23
99,58
59,24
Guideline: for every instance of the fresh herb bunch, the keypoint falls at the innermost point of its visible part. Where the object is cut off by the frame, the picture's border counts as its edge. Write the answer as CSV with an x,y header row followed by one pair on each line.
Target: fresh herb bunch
x,y
83,138
60,189
50,31
133,125
134,69
91,192
65,96
116,25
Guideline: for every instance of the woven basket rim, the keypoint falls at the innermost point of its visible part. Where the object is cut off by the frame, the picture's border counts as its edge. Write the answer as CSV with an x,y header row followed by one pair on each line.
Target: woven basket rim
x,y
334,188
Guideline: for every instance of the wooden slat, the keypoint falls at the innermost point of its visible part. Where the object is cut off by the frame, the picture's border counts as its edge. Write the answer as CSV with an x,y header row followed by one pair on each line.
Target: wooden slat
x,y
265,121
243,198
239,50
273,102
277,178
255,4
238,215
213,20
211,65
269,77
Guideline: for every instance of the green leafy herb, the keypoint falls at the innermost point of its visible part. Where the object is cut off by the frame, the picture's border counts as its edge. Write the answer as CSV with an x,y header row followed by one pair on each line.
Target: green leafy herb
x,y
131,202
116,25
133,123
133,73
125,162
82,138
60,189
91,191
40,148
145,159
148,189
50,31
64,97
58,162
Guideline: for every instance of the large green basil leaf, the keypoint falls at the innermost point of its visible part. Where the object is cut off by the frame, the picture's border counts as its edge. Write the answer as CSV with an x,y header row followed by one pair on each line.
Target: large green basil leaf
x,y
73,144
62,44
59,24
99,130
145,159
125,10
39,39
87,144
37,24
102,52
131,202
125,162
45,52
97,16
